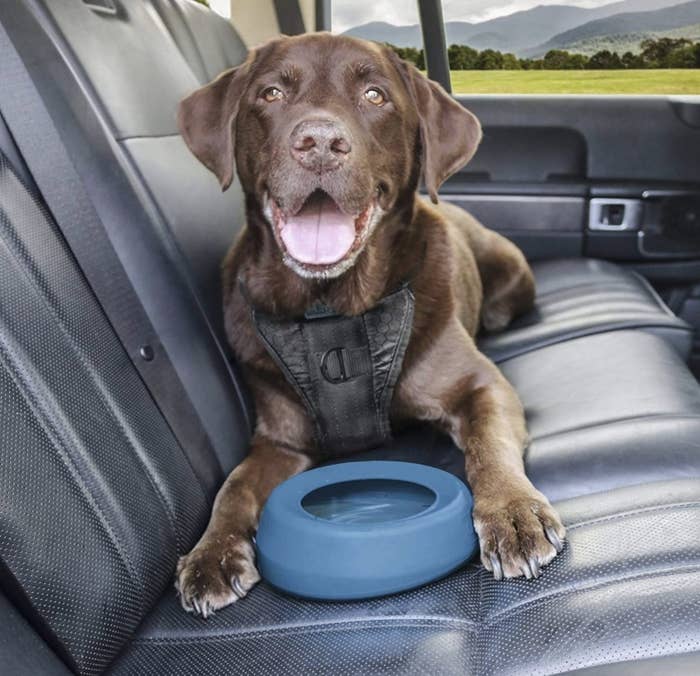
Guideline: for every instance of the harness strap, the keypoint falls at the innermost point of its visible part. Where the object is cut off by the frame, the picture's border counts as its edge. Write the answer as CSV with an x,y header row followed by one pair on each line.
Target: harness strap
x,y
344,368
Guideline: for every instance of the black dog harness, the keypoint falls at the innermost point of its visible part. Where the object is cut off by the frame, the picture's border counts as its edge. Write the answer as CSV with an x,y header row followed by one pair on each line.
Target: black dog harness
x,y
343,368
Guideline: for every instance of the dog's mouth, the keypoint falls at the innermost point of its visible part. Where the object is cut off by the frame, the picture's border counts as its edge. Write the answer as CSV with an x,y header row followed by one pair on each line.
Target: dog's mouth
x,y
320,237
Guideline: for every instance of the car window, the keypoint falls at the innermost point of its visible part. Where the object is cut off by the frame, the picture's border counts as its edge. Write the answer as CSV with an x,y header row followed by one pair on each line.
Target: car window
x,y
394,22
547,46
222,7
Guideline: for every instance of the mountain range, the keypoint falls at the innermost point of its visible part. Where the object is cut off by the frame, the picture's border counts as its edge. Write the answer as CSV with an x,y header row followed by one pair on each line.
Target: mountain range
x,y
532,32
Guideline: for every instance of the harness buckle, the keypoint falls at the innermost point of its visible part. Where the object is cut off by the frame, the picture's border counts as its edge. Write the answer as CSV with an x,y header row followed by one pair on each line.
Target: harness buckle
x,y
336,375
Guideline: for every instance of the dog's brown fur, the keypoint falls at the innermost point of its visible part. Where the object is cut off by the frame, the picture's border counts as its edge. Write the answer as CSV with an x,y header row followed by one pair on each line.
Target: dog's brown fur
x,y
463,276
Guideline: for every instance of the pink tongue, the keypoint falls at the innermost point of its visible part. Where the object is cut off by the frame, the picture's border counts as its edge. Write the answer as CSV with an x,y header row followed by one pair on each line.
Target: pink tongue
x,y
320,233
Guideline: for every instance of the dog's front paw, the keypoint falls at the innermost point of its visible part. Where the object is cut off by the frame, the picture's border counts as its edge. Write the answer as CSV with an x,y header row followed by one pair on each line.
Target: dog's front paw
x,y
519,532
214,575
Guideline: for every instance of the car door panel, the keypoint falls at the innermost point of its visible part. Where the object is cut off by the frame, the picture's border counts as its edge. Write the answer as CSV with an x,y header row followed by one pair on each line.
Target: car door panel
x,y
543,159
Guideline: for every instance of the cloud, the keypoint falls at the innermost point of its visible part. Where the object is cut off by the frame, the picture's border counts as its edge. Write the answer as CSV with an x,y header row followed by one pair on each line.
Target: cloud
x,y
222,7
348,13
483,10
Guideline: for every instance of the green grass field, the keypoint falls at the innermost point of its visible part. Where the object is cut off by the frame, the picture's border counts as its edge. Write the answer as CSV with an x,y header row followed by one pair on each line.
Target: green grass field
x,y
680,81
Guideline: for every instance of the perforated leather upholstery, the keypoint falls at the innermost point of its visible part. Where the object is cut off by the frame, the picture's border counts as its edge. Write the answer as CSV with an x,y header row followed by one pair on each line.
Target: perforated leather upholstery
x,y
625,588
129,93
97,500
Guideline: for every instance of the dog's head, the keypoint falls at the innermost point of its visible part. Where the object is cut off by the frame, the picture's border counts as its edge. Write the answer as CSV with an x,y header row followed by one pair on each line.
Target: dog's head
x,y
327,133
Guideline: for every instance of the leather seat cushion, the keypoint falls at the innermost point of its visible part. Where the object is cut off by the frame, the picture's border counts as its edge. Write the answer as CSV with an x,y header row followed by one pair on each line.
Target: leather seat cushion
x,y
578,297
626,587
607,410
603,411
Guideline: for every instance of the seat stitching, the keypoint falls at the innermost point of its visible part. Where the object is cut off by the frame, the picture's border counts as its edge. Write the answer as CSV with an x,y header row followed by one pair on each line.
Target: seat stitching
x,y
578,334
618,284
613,298
605,323
632,512
315,628
617,421
575,310
474,657
593,584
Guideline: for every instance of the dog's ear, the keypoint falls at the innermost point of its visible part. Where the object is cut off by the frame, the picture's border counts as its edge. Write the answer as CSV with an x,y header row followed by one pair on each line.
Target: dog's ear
x,y
207,121
449,133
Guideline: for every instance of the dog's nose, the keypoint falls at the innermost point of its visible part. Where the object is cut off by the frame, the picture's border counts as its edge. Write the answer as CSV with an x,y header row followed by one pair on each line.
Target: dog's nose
x,y
320,145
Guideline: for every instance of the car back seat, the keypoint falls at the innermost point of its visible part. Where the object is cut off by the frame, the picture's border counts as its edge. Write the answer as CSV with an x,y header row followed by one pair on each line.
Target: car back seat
x,y
583,297
116,115
625,589
99,499
604,411
209,44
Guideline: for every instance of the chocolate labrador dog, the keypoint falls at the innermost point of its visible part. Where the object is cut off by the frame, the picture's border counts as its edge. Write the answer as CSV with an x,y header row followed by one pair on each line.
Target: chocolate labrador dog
x,y
331,136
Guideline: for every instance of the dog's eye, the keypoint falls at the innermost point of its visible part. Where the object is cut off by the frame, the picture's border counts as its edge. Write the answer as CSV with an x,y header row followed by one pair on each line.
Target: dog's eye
x,y
375,96
272,94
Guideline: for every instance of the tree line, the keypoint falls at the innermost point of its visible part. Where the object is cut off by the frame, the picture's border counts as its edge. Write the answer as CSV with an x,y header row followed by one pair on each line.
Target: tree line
x,y
654,53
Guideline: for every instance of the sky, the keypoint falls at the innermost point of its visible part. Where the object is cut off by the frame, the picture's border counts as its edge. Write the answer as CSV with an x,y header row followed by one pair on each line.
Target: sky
x,y
348,13
222,7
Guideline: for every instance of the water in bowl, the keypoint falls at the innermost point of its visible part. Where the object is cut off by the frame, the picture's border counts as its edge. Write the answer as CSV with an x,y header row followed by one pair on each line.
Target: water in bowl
x,y
368,501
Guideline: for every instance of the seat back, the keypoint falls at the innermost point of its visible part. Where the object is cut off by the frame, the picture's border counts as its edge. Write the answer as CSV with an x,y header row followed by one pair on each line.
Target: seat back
x,y
97,499
112,82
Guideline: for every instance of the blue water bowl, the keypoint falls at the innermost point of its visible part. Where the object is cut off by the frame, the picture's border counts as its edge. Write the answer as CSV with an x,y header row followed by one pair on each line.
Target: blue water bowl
x,y
363,529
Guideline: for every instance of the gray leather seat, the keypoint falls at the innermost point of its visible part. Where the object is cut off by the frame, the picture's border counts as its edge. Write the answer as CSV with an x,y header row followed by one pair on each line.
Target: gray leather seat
x,y
624,589
583,297
608,410
604,411
99,500
168,221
